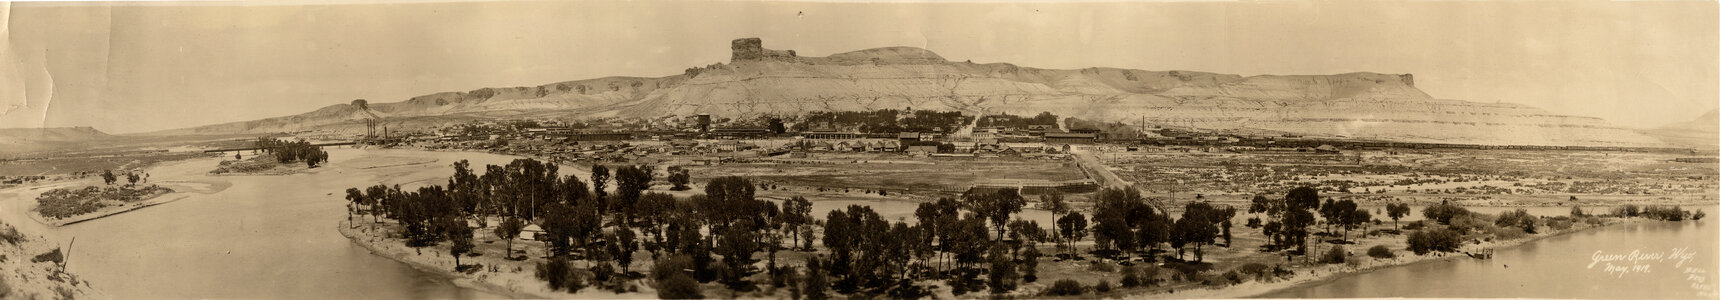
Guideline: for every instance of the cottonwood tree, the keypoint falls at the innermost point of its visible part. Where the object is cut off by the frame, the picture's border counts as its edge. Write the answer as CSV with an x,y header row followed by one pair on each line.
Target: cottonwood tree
x,y
1338,213
1026,233
898,247
936,219
995,206
968,240
1058,206
1357,217
817,281
1003,276
1330,213
461,237
797,213
860,242
1397,211
354,199
1196,226
374,196
1123,221
655,224
1030,264
1073,227
631,182
1288,217
1444,212
600,177
621,244
679,177
507,231
1297,216
673,280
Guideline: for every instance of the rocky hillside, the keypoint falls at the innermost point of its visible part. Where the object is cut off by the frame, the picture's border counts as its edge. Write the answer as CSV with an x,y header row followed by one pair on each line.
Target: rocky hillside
x,y
765,81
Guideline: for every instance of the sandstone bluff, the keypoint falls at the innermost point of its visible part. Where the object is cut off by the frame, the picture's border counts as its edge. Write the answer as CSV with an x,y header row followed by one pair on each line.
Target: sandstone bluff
x,y
760,81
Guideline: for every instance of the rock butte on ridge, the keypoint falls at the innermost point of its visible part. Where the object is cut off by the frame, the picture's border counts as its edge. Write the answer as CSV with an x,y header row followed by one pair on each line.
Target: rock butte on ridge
x,y
760,81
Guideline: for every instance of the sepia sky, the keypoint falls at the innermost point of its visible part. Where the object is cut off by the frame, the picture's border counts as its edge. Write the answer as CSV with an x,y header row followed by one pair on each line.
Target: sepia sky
x,y
146,67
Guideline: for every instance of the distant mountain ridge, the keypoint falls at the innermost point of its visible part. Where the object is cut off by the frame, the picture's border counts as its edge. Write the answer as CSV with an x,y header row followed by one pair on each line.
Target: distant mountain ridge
x,y
51,134
1704,131
764,81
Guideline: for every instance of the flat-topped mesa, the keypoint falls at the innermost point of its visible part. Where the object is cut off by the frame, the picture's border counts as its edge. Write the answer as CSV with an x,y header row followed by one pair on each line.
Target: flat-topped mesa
x,y
752,49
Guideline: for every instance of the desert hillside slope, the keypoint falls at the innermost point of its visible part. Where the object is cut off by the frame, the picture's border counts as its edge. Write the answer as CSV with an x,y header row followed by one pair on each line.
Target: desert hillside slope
x,y
761,81
55,134
1702,132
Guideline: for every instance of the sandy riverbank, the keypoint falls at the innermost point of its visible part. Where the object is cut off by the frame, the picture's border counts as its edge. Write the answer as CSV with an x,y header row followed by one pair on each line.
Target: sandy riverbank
x,y
363,237
505,281
1324,273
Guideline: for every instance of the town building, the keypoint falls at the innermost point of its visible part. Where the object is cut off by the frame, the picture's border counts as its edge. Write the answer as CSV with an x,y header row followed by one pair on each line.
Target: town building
x,y
1069,138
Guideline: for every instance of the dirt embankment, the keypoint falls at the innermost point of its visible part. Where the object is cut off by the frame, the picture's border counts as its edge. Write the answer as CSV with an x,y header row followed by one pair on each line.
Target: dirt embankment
x,y
33,269
378,243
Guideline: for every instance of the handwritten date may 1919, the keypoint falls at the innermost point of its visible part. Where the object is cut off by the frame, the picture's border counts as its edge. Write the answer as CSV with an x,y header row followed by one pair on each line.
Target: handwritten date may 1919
x,y
1638,260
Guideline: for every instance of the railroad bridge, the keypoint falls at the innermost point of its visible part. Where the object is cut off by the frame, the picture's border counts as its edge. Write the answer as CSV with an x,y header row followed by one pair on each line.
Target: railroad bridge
x,y
260,148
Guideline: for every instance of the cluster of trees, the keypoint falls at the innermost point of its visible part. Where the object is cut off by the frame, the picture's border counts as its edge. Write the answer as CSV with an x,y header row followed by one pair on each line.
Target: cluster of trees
x,y
679,177
286,151
715,234
964,246
523,191
869,253
1124,222
727,221
1288,218
1345,214
1519,218
1461,221
109,177
1661,212
1014,121
1116,130
1444,212
1443,239
955,240
1199,225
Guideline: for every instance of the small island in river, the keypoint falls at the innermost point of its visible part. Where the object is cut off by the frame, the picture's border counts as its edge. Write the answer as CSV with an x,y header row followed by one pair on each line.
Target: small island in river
x,y
277,158
65,206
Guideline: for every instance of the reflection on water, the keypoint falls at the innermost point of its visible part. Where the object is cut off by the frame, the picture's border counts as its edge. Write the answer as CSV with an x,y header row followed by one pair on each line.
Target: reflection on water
x,y
1557,267
262,237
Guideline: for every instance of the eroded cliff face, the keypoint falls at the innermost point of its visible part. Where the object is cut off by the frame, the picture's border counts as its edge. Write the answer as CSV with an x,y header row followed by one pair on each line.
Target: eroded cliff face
x,y
779,82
